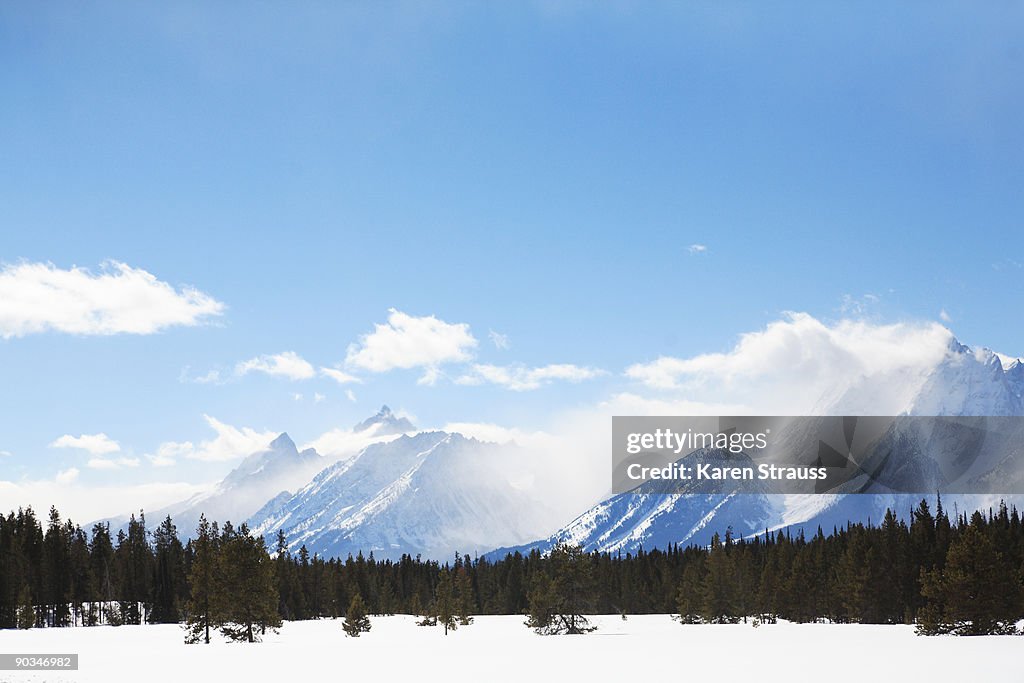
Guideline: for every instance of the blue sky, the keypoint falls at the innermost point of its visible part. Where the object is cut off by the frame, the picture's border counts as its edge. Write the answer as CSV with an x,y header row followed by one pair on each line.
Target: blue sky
x,y
540,170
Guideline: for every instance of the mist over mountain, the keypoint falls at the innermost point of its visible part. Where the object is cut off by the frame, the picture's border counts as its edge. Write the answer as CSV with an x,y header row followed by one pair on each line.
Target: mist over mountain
x,y
385,422
432,493
261,475
965,382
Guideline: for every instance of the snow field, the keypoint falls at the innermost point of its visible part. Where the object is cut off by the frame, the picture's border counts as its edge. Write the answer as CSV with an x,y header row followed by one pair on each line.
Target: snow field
x,y
500,648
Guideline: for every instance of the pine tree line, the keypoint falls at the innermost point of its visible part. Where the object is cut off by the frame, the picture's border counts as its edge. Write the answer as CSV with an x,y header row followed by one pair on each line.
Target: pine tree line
x,y
954,576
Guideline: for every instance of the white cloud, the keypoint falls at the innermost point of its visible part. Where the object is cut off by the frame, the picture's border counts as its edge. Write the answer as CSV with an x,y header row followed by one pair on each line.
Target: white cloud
x,y
318,397
66,476
40,297
407,341
112,463
350,395
338,444
944,316
296,397
488,431
521,378
211,377
288,364
167,453
430,376
5,454
799,364
84,503
339,376
568,452
500,341
230,443
697,249
96,444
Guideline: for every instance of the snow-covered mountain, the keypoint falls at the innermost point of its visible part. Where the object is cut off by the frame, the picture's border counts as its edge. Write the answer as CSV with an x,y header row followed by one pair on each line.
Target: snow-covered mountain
x,y
660,512
432,493
385,423
262,475
970,382
965,382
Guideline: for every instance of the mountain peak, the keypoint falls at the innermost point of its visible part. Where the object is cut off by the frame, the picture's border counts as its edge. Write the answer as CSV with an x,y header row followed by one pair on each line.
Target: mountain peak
x,y
954,346
386,422
283,442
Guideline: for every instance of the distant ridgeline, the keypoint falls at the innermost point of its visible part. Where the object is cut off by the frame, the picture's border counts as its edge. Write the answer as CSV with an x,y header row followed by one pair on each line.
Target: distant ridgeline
x,y
958,576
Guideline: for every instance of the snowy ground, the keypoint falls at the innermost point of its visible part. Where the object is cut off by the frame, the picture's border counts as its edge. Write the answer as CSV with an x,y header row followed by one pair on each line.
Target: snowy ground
x,y
502,649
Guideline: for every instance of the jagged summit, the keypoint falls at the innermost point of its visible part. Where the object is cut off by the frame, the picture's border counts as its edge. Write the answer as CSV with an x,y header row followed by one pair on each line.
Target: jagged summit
x,y
433,493
964,381
970,381
954,346
386,422
283,443
259,476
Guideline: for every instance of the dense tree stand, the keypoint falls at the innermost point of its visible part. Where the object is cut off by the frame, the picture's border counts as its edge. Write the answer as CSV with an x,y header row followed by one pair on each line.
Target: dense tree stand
x,y
960,576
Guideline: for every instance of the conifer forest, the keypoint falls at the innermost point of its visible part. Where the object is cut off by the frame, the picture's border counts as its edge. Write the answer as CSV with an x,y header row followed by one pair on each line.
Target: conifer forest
x,y
960,576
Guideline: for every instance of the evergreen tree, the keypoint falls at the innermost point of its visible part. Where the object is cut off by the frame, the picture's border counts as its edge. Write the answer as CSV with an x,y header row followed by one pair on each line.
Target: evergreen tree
x,y
718,598
101,566
134,559
689,595
246,597
415,605
169,579
862,572
56,577
543,604
26,612
465,599
975,593
961,576
201,613
356,621
387,599
558,604
445,609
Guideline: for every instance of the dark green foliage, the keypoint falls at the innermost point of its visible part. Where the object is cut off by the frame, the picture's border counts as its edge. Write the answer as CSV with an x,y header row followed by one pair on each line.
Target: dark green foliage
x,y
689,597
543,603
444,610
947,576
465,599
201,615
245,592
720,600
134,565
356,621
56,576
26,613
415,607
169,575
290,601
977,592
560,600
102,571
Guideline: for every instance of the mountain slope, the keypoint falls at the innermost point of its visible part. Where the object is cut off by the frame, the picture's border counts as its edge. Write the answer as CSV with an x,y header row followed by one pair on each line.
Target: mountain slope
x,y
261,475
661,512
965,382
432,493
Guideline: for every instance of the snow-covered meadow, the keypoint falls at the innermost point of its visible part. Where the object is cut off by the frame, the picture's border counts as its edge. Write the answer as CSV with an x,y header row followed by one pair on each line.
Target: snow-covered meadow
x,y
500,648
